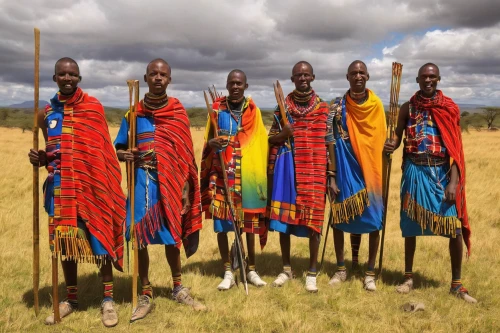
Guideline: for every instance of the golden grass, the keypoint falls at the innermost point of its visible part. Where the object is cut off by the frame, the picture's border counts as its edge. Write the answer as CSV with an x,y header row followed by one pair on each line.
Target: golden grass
x,y
292,309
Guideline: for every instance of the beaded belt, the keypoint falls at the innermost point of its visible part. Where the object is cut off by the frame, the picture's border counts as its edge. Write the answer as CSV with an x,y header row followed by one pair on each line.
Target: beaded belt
x,y
147,161
426,159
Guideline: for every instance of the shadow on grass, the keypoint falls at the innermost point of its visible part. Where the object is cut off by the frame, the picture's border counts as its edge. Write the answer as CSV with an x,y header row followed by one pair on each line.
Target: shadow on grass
x,y
270,265
90,292
267,264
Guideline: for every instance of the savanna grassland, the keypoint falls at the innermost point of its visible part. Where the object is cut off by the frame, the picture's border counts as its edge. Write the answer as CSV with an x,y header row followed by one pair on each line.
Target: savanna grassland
x,y
290,309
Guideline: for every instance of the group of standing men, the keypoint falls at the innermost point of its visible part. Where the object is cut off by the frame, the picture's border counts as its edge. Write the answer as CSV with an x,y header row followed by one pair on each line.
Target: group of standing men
x,y
279,181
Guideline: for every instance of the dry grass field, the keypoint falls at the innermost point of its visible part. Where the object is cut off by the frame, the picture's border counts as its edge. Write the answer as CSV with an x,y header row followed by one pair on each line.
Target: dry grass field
x,y
289,309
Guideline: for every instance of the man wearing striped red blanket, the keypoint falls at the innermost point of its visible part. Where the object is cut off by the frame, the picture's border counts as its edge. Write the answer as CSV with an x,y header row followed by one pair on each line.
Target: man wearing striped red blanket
x,y
297,170
83,196
167,195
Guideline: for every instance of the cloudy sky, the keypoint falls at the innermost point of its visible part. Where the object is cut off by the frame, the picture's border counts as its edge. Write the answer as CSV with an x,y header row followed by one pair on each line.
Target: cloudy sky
x,y
203,40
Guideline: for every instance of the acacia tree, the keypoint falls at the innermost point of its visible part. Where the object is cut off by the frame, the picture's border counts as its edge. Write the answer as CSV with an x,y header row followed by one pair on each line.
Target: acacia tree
x,y
489,114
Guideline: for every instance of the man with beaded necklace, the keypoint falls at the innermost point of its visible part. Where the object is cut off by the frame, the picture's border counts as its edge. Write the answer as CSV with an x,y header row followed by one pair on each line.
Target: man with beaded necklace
x,y
167,197
356,132
242,141
83,196
306,131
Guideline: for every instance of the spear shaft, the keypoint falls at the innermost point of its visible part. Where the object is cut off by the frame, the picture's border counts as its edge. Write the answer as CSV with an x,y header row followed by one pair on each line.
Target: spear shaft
x,y
133,88
397,70
36,197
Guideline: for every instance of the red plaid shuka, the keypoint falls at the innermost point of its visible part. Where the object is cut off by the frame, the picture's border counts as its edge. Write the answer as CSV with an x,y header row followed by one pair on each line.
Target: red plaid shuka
x,y
90,182
446,115
176,164
310,157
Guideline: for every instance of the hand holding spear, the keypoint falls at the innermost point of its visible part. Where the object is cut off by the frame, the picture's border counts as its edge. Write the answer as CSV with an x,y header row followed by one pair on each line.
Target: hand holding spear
x,y
397,70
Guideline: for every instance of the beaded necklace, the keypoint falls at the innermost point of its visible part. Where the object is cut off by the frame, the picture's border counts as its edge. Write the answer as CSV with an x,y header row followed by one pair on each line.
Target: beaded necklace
x,y
236,115
155,102
352,94
301,103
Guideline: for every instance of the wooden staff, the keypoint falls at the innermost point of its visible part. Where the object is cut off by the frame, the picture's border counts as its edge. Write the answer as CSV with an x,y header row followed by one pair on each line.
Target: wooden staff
x,y
212,96
278,92
330,222
239,247
397,70
215,91
36,198
133,90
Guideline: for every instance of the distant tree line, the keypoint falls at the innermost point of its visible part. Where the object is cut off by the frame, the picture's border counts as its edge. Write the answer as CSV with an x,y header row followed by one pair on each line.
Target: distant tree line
x,y
23,118
486,119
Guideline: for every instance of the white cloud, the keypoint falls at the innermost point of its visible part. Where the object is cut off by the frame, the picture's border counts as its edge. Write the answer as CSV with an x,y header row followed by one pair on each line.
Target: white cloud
x,y
204,40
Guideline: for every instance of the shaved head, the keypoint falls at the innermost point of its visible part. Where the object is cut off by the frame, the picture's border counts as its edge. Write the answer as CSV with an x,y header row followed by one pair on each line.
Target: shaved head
x,y
66,59
428,65
303,62
154,61
355,62
237,71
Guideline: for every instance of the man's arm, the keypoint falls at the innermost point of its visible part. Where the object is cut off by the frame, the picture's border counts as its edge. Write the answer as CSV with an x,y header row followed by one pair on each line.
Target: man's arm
x,y
285,133
39,158
331,173
451,189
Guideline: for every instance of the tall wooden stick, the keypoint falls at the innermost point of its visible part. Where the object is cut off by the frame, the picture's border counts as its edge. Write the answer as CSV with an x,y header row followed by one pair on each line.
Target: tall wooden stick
x,y
133,89
237,240
330,222
36,197
212,96
215,91
278,92
397,70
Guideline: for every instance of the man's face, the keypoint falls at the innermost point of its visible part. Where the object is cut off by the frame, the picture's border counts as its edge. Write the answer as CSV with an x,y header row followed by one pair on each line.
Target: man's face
x,y
302,77
236,86
67,77
428,78
357,75
157,77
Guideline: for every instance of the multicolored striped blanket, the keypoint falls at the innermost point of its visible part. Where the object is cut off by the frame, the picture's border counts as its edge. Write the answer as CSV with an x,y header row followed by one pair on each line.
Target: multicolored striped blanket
x,y
310,160
90,183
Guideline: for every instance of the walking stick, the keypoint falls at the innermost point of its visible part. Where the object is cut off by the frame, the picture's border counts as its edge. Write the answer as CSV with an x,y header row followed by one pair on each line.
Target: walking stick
x,y
133,91
36,197
330,222
239,247
280,98
397,70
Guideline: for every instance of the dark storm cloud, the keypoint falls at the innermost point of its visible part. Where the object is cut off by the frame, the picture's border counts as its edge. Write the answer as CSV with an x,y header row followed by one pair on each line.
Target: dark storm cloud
x,y
459,13
203,42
